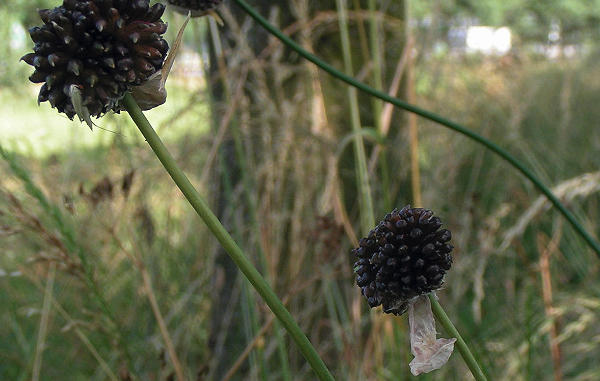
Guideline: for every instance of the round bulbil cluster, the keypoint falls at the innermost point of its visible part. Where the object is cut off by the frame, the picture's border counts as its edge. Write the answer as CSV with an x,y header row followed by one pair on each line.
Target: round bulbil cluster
x,y
89,53
196,7
405,256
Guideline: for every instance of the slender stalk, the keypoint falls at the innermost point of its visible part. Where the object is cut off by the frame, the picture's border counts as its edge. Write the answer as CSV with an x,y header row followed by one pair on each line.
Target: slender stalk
x,y
78,331
437,308
41,339
375,45
415,171
257,357
362,176
162,325
377,78
464,350
546,250
431,116
230,246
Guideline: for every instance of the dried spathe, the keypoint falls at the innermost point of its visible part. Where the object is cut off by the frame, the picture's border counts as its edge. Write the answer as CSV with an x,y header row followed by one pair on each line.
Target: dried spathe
x,y
430,353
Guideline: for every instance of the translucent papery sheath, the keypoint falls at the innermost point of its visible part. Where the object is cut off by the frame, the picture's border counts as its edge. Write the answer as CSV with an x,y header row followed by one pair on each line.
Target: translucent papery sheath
x,y
89,54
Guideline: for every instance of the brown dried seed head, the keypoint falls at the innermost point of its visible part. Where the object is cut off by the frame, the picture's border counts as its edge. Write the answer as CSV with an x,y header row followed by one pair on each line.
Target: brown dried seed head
x,y
405,256
89,54
197,7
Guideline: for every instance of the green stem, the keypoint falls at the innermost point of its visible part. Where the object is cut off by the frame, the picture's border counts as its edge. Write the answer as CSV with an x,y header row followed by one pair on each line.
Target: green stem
x,y
234,251
431,116
376,57
437,308
257,357
375,42
362,176
466,354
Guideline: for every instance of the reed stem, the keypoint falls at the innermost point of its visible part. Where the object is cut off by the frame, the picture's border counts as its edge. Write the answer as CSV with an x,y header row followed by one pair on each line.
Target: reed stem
x,y
504,154
230,246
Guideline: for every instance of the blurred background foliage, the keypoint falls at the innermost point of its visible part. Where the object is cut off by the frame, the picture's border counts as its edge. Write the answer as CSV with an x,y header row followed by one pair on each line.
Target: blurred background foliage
x,y
265,137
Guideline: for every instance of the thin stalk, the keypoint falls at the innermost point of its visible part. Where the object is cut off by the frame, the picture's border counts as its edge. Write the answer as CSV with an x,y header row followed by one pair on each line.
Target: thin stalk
x,y
164,331
249,314
257,357
78,331
230,246
284,361
334,316
251,326
400,338
147,282
368,214
546,250
415,171
431,116
375,44
530,331
246,352
377,78
385,177
464,350
362,36
41,339
362,176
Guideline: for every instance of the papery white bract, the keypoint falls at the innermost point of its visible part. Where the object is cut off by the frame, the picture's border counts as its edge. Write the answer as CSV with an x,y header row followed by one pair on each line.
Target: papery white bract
x,y
430,354
153,92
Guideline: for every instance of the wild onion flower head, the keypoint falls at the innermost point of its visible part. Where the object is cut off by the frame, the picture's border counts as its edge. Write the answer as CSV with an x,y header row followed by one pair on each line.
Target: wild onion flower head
x,y
89,53
196,7
405,256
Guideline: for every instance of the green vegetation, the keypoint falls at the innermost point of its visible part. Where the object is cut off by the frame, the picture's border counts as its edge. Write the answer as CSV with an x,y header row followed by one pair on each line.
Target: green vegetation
x,y
85,245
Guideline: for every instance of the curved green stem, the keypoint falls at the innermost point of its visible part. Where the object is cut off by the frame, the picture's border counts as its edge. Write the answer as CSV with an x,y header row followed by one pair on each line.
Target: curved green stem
x,y
234,251
464,350
431,116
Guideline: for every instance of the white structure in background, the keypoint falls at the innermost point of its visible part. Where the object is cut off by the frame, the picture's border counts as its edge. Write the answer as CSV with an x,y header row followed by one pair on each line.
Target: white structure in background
x,y
488,40
18,36
188,69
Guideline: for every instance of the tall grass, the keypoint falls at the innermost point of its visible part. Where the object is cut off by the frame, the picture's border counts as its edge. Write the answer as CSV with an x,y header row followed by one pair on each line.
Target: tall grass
x,y
284,185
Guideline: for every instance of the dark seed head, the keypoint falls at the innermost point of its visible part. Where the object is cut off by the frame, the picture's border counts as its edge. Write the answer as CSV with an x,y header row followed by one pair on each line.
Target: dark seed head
x,y
197,7
96,51
405,256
